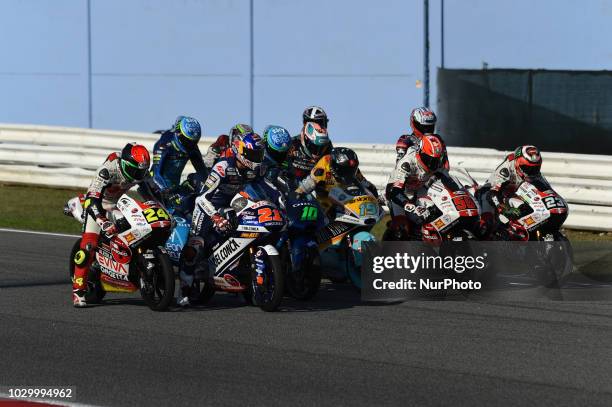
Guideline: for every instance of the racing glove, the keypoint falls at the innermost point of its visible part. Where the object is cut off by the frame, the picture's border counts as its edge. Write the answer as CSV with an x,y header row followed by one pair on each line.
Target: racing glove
x,y
508,211
107,226
220,223
417,210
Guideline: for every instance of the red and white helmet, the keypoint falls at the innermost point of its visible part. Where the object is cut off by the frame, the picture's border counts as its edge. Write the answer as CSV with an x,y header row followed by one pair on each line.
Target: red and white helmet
x,y
422,121
527,161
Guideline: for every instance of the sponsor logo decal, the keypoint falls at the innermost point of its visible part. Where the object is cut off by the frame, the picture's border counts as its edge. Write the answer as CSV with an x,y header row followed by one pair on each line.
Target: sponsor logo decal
x,y
112,268
225,251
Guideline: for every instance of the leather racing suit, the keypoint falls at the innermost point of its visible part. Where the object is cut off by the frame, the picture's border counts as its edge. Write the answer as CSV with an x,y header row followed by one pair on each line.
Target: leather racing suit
x,y
407,178
169,160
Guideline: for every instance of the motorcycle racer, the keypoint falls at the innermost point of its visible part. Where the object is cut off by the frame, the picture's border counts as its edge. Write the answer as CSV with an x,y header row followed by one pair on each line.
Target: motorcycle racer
x,y
312,143
341,166
120,172
277,141
227,177
422,121
172,151
413,171
524,162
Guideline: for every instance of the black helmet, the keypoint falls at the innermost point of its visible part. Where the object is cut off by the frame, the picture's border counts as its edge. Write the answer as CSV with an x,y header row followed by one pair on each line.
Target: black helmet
x,y
315,114
344,163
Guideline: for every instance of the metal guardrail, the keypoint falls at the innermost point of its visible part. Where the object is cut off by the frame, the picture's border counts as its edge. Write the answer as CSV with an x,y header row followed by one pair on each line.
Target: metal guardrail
x,y
67,157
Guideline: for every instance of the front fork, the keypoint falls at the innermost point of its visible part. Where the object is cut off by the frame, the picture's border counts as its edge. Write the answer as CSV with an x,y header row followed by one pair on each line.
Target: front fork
x,y
258,265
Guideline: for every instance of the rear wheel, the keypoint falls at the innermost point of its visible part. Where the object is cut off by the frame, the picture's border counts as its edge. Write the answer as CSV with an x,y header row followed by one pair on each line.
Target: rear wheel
x,y
95,292
268,288
304,283
558,262
157,284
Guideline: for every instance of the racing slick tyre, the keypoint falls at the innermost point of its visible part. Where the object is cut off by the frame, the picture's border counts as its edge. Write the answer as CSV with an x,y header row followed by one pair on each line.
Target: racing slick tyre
x,y
207,291
305,284
95,292
268,290
158,289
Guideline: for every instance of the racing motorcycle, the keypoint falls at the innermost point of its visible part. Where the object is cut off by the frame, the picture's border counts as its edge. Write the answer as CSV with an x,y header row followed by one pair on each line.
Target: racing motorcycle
x,y
298,246
454,213
541,214
246,261
542,211
180,205
355,212
133,259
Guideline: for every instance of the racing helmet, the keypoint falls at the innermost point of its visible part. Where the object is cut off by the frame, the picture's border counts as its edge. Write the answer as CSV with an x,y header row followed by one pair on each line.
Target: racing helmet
x,y
527,161
315,114
277,141
344,164
135,161
240,129
315,140
431,152
247,147
187,133
422,121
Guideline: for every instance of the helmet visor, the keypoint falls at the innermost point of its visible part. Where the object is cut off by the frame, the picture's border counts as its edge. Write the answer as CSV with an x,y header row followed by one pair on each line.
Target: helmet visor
x,y
186,142
530,170
432,163
253,155
345,173
425,128
132,171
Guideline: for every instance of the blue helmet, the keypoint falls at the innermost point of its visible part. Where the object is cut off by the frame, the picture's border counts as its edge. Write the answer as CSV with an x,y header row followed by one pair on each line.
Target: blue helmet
x,y
187,133
277,140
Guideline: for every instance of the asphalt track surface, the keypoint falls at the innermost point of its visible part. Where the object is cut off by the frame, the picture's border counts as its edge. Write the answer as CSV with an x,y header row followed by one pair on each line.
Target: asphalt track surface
x,y
331,351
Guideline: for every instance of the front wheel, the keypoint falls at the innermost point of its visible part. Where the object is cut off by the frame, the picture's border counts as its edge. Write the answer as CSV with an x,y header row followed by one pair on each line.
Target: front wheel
x,y
304,283
157,281
267,280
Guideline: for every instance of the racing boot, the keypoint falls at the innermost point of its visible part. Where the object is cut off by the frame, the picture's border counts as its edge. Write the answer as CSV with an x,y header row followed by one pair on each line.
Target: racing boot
x,y
82,261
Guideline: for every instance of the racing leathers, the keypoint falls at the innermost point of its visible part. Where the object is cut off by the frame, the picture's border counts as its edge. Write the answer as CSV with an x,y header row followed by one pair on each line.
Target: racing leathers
x,y
321,179
502,183
407,178
169,160
299,162
277,173
105,189
218,149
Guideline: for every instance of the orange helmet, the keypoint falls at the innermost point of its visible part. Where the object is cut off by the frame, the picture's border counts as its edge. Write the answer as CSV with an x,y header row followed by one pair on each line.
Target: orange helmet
x,y
527,161
431,152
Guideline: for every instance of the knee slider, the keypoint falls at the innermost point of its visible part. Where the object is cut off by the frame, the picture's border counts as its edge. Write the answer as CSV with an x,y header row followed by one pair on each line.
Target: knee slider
x,y
81,257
